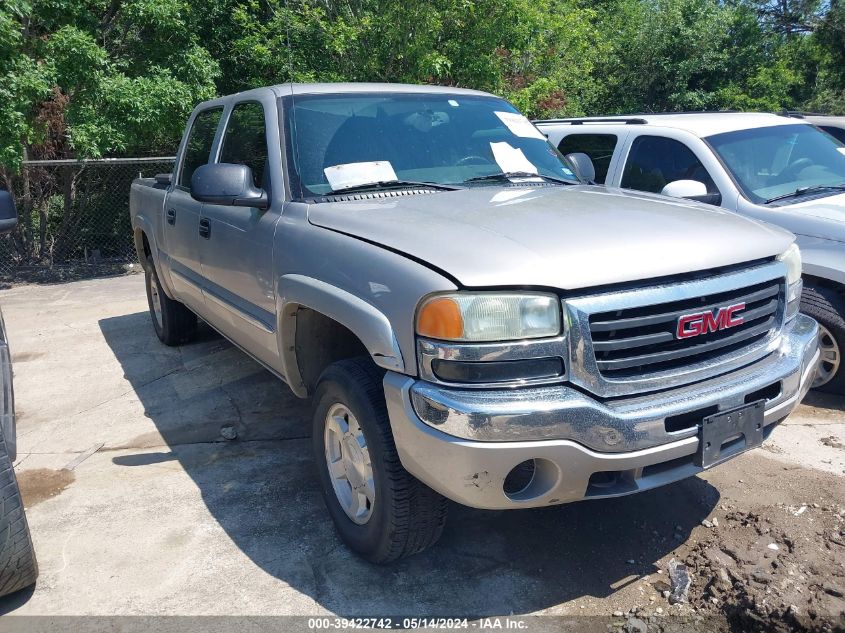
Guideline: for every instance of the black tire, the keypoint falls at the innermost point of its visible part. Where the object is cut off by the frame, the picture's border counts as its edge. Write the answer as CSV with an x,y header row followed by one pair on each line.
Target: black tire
x,y
827,307
18,567
176,324
407,516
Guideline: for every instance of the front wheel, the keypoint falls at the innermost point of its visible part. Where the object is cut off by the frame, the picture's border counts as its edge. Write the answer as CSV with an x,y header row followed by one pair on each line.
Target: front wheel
x,y
827,307
380,510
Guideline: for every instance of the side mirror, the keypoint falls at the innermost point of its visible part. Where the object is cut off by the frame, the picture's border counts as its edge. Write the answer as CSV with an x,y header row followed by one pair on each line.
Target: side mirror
x,y
583,166
8,213
227,184
691,190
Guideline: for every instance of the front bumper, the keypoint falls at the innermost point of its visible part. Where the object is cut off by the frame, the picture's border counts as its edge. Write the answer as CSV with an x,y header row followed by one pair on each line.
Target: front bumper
x,y
470,439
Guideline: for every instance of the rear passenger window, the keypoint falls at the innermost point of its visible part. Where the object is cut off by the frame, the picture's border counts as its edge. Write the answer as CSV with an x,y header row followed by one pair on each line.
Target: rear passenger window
x,y
199,144
599,147
655,161
245,142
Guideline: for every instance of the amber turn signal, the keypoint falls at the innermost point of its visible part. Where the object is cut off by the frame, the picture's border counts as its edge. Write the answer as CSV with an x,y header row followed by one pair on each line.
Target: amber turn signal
x,y
440,318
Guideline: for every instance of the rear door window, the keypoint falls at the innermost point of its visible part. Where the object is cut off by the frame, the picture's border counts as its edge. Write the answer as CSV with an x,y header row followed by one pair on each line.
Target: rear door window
x,y
200,140
245,141
655,161
599,147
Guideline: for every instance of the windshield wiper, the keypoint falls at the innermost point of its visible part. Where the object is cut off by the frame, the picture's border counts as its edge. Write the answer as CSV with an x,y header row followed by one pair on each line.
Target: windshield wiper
x,y
507,175
392,184
804,190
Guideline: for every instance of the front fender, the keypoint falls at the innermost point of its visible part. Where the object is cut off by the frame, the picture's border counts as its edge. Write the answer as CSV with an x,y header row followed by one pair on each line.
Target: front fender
x,y
822,258
365,321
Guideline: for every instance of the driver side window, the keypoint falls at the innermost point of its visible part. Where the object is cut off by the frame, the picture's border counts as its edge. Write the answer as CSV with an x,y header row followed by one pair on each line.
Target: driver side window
x,y
199,144
245,141
655,161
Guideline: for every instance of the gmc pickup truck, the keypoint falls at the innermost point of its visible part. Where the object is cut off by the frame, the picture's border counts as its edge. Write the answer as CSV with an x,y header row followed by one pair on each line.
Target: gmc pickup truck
x,y
470,320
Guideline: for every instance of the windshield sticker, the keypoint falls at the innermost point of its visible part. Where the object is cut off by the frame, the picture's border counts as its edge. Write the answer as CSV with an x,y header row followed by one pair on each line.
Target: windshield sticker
x,y
841,150
519,125
453,103
354,174
511,159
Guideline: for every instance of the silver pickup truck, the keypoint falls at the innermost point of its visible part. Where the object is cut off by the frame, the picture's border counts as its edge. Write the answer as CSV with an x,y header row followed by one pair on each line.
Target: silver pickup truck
x,y
470,320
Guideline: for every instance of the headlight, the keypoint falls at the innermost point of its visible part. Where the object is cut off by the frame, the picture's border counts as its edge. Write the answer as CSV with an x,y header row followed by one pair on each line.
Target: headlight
x,y
488,316
792,258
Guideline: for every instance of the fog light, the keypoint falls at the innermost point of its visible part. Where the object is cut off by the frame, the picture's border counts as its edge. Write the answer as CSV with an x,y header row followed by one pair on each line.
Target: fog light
x,y
520,477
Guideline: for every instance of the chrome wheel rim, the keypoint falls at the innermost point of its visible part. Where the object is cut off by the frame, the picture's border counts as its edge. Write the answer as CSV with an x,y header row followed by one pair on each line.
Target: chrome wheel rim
x,y
155,301
829,357
348,463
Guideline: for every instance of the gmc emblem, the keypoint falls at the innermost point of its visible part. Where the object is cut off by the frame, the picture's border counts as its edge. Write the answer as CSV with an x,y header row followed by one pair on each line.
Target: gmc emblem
x,y
699,323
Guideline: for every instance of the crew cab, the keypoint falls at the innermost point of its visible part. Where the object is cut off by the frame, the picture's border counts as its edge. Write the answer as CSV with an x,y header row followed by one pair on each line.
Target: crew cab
x,y
470,320
775,168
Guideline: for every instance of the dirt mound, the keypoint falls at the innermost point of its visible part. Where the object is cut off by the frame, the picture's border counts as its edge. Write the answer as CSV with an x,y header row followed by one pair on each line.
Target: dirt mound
x,y
777,573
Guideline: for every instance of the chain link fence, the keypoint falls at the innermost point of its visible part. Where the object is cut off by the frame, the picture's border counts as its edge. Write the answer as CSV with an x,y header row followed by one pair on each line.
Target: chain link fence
x,y
73,218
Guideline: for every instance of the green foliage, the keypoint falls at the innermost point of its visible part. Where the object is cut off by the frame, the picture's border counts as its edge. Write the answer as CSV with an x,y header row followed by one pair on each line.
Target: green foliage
x,y
88,78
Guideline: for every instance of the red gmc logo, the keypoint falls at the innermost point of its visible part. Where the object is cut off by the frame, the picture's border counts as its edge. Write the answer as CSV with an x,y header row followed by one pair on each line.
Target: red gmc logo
x,y
700,323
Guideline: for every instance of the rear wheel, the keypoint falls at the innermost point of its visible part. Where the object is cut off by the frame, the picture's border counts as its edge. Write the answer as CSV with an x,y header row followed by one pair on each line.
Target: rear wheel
x,y
18,567
827,307
380,510
174,323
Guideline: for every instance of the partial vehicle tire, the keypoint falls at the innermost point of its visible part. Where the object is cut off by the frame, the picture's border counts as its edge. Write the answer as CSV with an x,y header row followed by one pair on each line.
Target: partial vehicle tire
x,y
827,307
173,322
18,567
380,510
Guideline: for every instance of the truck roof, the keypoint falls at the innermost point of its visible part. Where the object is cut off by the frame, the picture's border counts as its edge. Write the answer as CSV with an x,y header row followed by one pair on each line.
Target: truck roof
x,y
699,123
323,88
282,90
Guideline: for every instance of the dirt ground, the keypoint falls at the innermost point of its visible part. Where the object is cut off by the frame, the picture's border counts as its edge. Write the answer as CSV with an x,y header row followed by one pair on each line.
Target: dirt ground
x,y
139,507
770,556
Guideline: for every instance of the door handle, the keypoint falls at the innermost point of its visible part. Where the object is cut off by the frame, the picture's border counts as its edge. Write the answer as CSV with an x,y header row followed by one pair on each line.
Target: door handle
x,y
205,228
171,216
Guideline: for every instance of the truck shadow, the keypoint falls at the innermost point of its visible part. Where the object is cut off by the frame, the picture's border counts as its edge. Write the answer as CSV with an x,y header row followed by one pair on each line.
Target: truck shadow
x,y
261,489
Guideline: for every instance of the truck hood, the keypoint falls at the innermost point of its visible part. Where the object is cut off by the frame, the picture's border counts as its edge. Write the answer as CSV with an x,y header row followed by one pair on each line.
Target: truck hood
x,y
557,237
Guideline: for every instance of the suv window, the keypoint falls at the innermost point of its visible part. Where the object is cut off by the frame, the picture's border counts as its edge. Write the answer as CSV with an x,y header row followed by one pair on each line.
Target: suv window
x,y
599,147
245,142
199,144
655,161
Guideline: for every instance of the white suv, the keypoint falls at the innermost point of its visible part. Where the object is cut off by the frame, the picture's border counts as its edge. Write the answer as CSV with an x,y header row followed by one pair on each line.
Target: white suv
x,y
775,168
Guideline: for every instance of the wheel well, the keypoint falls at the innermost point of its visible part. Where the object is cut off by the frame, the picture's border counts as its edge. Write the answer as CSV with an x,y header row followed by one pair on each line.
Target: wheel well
x,y
820,282
321,341
142,246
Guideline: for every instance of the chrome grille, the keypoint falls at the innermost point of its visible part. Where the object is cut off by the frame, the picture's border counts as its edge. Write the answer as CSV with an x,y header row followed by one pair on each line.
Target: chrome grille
x,y
622,341
633,341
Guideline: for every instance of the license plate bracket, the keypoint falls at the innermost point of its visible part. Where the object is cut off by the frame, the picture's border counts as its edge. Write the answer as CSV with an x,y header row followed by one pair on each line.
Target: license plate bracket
x,y
728,433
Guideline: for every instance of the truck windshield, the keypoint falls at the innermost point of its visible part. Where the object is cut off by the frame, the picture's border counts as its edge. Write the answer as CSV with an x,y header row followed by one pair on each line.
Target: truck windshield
x,y
783,162
345,141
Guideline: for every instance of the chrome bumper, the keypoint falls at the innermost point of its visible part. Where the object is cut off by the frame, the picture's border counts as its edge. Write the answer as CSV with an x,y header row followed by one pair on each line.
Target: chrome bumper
x,y
463,443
